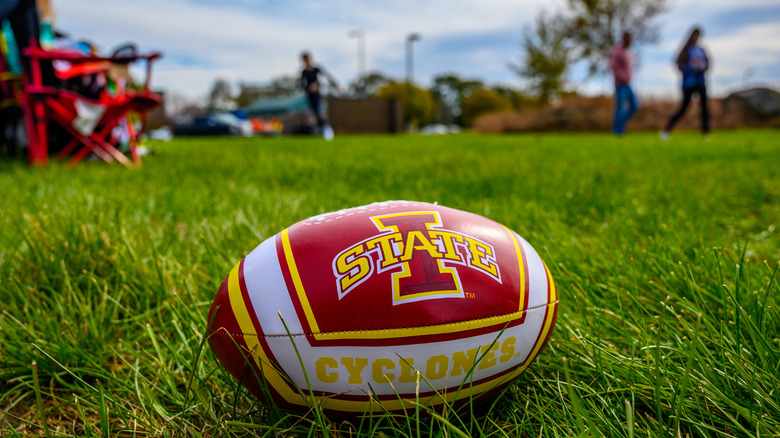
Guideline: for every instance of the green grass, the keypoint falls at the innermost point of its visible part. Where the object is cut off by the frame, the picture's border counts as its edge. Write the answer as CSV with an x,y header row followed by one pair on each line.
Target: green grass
x,y
665,255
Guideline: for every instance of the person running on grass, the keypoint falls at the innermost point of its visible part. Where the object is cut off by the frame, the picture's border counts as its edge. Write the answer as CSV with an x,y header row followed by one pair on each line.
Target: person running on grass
x,y
310,83
693,63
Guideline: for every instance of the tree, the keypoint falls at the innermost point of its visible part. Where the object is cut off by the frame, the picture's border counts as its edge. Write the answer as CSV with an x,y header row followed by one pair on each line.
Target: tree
x,y
368,84
282,86
546,56
181,108
221,96
482,101
595,26
248,93
448,92
279,87
518,99
585,33
417,103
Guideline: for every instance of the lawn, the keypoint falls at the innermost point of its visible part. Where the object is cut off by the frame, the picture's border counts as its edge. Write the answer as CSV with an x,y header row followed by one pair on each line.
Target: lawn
x,y
665,255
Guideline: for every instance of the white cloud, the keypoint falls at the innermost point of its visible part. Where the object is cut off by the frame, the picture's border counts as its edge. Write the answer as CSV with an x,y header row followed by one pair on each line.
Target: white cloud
x,y
257,40
241,42
749,47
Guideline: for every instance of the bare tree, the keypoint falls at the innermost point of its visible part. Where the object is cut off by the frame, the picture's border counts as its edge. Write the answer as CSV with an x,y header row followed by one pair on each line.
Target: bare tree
x,y
368,84
595,26
182,108
585,33
547,55
221,96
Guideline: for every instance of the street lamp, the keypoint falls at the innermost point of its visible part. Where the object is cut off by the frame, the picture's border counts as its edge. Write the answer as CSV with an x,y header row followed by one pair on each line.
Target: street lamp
x,y
412,37
361,53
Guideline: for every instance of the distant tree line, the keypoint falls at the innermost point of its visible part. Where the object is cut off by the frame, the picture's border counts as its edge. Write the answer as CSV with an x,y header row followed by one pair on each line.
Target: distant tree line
x,y
450,99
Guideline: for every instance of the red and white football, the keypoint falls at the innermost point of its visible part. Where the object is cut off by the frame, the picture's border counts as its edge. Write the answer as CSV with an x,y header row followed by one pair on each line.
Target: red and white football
x,y
381,304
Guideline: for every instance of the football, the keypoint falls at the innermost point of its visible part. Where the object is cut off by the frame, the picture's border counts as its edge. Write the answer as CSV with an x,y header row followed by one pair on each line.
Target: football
x,y
375,308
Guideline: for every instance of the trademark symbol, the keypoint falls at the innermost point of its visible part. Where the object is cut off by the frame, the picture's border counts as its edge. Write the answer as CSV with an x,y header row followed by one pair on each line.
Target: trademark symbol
x,y
471,295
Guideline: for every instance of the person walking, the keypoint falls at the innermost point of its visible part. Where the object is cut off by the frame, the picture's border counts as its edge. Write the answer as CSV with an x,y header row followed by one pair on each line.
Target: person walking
x,y
693,63
310,83
621,64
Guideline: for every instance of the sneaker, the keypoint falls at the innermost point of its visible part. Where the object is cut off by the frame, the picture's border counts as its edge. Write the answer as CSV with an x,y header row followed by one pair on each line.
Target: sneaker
x,y
327,132
664,135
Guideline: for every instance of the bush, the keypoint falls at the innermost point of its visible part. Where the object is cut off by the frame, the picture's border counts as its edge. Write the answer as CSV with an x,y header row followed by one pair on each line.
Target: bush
x,y
595,114
482,101
418,104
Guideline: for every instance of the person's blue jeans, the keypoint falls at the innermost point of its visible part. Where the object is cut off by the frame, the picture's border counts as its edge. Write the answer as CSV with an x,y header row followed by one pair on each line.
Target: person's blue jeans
x,y
625,106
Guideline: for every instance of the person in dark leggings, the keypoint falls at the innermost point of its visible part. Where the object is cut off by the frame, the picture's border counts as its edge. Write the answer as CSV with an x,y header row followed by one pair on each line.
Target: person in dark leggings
x,y
310,83
693,63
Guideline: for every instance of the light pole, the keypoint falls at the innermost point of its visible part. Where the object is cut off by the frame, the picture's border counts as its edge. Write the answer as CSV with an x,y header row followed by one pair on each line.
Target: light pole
x,y
361,53
412,37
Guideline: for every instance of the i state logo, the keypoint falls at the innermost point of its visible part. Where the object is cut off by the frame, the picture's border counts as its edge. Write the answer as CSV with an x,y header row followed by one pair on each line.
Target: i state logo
x,y
421,254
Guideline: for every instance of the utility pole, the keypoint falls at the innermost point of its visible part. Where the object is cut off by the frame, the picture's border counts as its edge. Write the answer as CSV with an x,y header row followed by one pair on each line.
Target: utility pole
x,y
411,38
361,54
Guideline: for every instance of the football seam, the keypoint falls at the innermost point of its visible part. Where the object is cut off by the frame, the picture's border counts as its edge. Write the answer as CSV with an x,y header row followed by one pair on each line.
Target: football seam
x,y
356,210
345,332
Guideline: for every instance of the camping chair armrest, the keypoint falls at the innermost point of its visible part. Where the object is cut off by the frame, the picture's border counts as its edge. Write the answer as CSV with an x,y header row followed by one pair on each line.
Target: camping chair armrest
x,y
75,57
36,53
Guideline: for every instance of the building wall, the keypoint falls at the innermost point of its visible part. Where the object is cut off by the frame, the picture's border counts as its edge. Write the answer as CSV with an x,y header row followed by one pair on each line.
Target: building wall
x,y
362,116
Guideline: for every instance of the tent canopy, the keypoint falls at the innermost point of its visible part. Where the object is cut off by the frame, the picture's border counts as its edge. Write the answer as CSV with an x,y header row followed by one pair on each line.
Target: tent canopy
x,y
277,106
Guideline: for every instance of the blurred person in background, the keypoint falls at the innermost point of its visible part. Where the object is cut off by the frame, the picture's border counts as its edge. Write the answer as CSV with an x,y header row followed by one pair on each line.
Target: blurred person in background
x,y
621,63
693,62
310,83
24,23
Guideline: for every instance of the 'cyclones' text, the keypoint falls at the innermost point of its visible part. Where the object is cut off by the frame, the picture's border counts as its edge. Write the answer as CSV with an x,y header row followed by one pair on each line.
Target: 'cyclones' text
x,y
360,370
420,253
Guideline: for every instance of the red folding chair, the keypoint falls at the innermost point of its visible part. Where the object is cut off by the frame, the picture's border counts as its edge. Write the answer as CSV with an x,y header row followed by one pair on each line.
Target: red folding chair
x,y
90,121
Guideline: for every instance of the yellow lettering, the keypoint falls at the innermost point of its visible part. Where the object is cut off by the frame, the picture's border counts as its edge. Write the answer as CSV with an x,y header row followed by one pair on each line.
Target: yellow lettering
x,y
507,349
354,366
377,370
448,240
348,262
478,252
408,374
437,367
321,365
488,360
424,244
462,362
385,248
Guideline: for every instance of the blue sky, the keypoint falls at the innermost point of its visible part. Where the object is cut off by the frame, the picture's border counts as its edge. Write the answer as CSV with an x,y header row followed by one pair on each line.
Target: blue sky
x,y
257,40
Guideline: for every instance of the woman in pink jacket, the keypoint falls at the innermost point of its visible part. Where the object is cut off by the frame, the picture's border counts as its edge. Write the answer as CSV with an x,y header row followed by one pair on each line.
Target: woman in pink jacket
x,y
620,61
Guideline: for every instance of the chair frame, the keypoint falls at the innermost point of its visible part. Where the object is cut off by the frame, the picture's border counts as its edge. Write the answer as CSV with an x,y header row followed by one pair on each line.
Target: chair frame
x,y
43,103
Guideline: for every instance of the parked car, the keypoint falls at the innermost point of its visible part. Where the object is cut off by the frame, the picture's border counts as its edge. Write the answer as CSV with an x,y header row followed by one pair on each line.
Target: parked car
x,y
215,124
